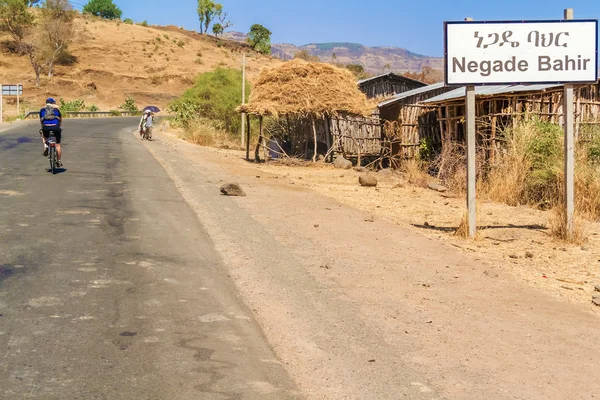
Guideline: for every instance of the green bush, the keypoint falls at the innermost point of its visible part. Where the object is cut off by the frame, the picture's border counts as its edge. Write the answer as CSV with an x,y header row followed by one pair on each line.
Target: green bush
x,y
128,21
214,96
545,152
115,113
93,108
181,43
144,23
129,105
102,8
71,106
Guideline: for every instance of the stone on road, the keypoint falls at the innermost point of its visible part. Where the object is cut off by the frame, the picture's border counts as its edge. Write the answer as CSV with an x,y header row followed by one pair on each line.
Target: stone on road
x,y
109,286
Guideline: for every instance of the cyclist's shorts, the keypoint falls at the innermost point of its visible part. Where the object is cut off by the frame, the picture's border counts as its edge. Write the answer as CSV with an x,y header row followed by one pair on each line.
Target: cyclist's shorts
x,y
57,133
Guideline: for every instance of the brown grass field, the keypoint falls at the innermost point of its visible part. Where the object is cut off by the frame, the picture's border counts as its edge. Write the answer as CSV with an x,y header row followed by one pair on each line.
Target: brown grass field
x,y
114,60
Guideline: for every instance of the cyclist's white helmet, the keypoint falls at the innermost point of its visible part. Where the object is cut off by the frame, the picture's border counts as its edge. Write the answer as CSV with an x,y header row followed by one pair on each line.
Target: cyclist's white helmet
x,y
148,112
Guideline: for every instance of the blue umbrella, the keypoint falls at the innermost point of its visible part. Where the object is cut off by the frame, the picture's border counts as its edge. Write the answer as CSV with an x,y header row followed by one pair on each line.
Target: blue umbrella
x,y
153,109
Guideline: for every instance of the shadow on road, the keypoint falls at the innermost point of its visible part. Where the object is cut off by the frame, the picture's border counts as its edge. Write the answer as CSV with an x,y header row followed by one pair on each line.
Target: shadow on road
x,y
58,171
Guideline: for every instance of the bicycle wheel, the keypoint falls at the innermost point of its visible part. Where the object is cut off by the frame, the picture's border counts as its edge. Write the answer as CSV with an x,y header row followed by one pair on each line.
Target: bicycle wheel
x,y
52,160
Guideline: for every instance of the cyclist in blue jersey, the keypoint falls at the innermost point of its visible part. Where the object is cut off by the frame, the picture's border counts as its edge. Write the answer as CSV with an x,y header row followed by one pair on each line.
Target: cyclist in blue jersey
x,y
51,120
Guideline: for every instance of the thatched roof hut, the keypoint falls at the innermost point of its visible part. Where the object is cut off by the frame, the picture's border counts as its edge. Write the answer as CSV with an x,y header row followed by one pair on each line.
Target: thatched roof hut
x,y
307,89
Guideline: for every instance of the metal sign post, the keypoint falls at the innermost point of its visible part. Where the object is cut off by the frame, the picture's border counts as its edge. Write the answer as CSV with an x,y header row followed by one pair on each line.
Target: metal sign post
x,y
471,157
19,100
521,52
11,90
569,150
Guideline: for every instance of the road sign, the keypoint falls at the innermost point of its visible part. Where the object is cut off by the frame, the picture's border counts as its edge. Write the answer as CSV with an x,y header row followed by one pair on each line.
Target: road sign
x,y
521,52
12,90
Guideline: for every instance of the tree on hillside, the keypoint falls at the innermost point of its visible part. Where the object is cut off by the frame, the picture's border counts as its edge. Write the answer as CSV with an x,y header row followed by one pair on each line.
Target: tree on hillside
x,y
56,24
41,42
358,70
217,29
259,38
427,75
223,16
207,11
15,18
103,8
306,56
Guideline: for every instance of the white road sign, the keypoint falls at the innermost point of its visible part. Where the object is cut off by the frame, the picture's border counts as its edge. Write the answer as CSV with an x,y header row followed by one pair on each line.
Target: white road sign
x,y
510,52
12,90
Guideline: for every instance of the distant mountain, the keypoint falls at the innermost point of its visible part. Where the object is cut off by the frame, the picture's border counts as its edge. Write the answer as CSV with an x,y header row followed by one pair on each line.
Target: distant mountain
x,y
374,59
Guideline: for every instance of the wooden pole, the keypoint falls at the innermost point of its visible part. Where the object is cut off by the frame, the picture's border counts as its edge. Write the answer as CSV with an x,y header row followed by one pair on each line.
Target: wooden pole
x,y
569,150
328,137
314,127
243,96
248,137
260,139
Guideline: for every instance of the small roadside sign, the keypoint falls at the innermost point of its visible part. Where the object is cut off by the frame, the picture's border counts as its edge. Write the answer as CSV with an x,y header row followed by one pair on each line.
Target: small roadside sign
x,y
12,90
521,52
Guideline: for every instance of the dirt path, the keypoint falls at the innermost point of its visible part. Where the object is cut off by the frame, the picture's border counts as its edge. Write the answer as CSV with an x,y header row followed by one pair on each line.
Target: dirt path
x,y
375,310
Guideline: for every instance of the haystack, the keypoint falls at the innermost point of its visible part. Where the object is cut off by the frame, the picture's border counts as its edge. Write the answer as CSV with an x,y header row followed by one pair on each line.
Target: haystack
x,y
307,89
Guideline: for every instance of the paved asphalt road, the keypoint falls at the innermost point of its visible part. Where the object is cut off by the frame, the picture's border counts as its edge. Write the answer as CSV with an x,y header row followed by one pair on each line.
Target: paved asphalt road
x,y
109,287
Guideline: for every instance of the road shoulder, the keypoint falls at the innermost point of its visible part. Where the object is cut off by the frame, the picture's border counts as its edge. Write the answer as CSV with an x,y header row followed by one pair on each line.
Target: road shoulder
x,y
360,308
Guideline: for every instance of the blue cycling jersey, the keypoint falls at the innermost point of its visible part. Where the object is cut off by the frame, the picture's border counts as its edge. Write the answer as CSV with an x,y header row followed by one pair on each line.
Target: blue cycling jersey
x,y
50,122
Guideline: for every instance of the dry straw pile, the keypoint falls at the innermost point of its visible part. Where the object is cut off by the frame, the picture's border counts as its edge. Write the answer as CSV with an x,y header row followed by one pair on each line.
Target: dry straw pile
x,y
307,89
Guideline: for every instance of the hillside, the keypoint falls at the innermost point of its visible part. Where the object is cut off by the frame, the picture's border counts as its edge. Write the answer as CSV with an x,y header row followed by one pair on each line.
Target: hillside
x,y
114,60
375,60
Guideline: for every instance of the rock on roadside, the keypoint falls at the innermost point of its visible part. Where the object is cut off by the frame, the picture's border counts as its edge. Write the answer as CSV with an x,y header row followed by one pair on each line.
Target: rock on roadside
x,y
437,187
342,163
232,189
367,180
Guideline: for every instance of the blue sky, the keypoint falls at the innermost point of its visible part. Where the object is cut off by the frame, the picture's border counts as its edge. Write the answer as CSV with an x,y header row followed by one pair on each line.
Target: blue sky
x,y
415,25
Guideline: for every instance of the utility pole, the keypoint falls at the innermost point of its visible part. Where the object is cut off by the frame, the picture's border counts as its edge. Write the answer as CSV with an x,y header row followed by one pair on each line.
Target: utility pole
x,y
569,150
242,136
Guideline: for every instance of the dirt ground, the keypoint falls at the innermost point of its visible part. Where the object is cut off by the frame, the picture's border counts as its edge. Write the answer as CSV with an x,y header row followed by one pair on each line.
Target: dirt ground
x,y
515,239
366,294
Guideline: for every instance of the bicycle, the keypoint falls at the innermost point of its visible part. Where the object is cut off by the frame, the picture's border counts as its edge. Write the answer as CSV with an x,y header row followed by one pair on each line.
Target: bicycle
x,y
51,143
147,133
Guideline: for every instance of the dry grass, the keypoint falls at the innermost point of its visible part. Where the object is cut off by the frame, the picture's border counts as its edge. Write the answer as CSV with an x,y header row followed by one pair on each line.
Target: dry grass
x,y
559,230
203,132
298,87
108,55
507,180
463,228
414,173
